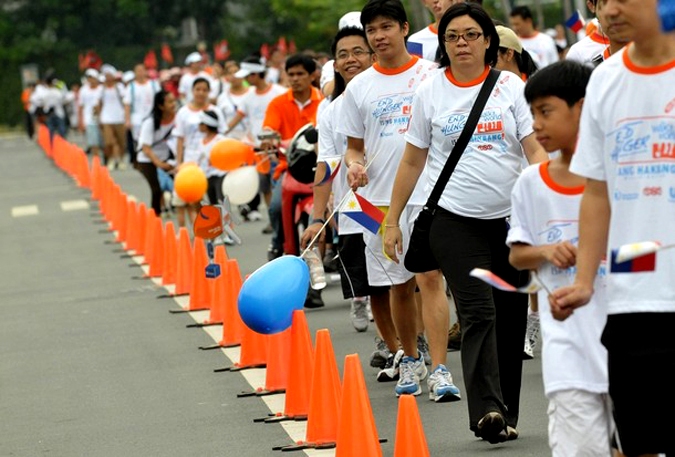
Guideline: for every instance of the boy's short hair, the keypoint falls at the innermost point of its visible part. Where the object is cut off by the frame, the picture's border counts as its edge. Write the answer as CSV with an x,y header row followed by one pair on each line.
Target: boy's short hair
x,y
522,11
392,9
565,79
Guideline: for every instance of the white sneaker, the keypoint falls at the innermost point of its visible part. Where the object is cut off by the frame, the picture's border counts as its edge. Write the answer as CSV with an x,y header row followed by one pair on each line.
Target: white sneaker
x,y
441,387
390,372
411,372
254,216
359,314
531,335
121,165
111,164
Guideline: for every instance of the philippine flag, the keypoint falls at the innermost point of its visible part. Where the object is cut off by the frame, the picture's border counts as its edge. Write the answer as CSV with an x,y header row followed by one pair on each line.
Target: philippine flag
x,y
640,264
576,22
362,211
332,168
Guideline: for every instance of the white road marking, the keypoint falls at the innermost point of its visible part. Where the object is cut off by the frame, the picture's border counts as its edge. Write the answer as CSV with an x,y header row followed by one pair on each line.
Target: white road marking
x,y
74,205
28,210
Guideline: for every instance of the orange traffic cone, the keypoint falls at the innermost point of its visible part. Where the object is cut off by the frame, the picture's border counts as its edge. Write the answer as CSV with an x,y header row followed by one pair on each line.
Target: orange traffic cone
x,y
357,434
95,178
149,241
183,263
296,405
155,270
141,223
253,352
218,288
324,398
170,255
200,293
122,212
278,358
233,326
132,227
410,439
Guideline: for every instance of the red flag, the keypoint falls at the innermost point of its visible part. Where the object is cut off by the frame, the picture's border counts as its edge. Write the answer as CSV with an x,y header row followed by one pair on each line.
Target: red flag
x,y
281,45
167,56
92,60
150,60
291,47
265,50
221,51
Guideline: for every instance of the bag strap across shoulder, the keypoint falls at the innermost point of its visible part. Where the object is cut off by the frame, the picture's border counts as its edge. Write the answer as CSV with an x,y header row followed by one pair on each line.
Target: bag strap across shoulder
x,y
463,140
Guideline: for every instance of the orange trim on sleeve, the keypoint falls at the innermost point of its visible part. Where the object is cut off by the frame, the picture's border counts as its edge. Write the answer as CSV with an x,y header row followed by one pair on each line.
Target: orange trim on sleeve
x,y
645,70
395,71
554,186
475,82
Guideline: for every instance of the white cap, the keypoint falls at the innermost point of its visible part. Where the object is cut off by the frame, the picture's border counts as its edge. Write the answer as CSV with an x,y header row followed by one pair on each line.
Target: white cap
x,y
108,69
193,57
128,76
91,73
248,68
352,19
207,119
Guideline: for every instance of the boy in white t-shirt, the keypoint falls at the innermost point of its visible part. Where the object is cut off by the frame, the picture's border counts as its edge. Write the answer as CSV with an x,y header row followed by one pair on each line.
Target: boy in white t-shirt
x,y
625,151
543,237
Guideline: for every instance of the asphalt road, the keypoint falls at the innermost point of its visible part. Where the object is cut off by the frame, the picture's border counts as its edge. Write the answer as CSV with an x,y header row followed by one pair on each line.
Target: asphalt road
x,y
93,364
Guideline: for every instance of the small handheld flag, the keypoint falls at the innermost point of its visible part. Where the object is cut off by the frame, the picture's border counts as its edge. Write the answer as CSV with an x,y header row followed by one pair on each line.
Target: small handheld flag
x,y
332,168
495,281
636,257
576,22
362,211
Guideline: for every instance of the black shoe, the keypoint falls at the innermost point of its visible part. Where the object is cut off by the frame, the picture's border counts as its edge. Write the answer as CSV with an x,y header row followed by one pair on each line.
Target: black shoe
x,y
455,338
268,230
244,210
314,299
491,428
273,253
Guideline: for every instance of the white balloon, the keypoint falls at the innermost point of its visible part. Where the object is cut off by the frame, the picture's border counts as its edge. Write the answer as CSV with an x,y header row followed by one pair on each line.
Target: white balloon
x,y
241,185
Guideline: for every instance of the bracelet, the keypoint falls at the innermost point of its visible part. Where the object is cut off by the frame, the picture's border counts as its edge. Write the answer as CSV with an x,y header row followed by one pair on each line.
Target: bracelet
x,y
391,226
318,221
355,161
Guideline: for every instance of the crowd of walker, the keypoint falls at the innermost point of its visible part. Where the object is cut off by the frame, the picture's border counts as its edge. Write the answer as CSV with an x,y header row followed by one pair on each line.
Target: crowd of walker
x,y
550,177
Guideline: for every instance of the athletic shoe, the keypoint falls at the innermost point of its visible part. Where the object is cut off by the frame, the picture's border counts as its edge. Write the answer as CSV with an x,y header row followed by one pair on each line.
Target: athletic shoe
x,y
441,387
491,428
227,240
423,348
254,216
111,164
121,165
411,372
390,372
455,337
531,335
314,299
359,314
268,229
378,359
244,211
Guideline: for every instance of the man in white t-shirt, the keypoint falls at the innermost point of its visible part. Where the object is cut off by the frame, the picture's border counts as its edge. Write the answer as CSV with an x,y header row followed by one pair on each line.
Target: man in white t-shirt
x,y
111,117
194,64
541,47
138,101
375,113
326,82
90,94
626,150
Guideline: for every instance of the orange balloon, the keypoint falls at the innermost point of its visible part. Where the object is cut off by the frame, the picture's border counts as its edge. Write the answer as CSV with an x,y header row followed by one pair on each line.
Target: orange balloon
x,y
190,184
230,154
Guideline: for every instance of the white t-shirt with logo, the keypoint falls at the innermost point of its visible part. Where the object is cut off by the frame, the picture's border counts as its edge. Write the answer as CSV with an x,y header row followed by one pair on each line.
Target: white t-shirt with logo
x,y
424,43
89,98
588,48
545,212
333,144
627,138
481,184
187,127
377,108
229,103
254,106
542,49
187,80
112,109
160,140
141,98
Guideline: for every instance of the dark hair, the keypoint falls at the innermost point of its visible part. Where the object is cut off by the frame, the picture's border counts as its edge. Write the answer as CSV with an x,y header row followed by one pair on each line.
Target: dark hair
x,y
565,79
392,9
307,62
255,58
160,98
213,115
476,12
201,80
339,82
522,11
526,64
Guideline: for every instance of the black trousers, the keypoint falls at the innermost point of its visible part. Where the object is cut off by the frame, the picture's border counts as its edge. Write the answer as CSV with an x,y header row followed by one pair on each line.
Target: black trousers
x,y
149,171
215,190
493,322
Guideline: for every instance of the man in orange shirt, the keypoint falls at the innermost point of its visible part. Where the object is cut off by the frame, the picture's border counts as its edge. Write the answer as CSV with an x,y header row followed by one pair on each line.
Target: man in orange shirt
x,y
285,115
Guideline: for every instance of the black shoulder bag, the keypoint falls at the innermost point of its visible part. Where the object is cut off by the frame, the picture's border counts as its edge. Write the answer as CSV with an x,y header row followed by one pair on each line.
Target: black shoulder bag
x,y
419,257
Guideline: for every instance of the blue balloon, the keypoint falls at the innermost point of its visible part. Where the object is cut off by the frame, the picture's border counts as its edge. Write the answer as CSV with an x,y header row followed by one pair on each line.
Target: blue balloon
x,y
271,293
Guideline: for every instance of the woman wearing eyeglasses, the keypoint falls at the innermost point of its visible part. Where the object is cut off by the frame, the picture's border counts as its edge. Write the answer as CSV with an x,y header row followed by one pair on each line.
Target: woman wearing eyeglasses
x,y
470,225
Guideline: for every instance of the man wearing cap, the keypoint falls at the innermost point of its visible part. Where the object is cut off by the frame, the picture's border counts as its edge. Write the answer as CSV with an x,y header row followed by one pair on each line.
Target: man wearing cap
x,y
512,56
90,94
111,112
138,102
194,64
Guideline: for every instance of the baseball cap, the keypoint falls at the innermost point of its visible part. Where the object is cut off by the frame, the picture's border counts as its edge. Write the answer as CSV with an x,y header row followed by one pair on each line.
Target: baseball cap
x,y
351,19
247,68
508,39
108,69
128,76
208,118
91,73
193,57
